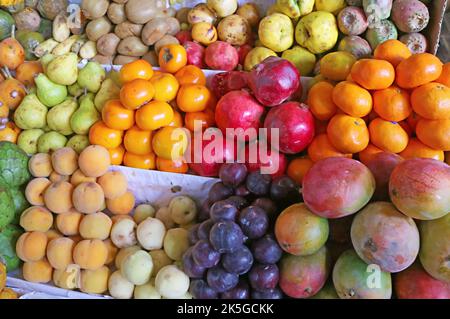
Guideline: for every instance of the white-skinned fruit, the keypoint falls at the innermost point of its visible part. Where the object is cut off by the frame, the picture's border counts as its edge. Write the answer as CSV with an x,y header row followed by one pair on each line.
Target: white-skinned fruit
x,y
171,282
150,233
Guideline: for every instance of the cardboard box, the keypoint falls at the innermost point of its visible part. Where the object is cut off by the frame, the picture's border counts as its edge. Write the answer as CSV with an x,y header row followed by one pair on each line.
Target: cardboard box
x,y
433,30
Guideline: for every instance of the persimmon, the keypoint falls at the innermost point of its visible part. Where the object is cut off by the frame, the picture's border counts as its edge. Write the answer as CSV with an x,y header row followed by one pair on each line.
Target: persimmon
x,y
154,115
321,148
138,141
298,168
12,93
445,75
417,70
203,120
320,101
366,155
117,117
193,98
352,99
116,155
139,69
373,74
431,101
136,93
172,166
392,104
348,134
166,87
27,71
434,133
393,51
139,161
100,134
10,133
12,53
170,143
388,136
177,120
191,74
172,58
416,148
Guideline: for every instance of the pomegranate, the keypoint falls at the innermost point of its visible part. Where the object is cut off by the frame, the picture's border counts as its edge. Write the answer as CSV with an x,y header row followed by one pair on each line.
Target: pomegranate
x,y
225,82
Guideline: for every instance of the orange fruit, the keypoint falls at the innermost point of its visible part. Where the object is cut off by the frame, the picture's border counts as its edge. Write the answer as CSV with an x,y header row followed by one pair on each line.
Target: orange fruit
x,y
27,71
139,69
336,66
172,58
154,115
445,75
434,133
298,168
348,134
416,148
321,148
117,117
116,155
166,87
191,74
320,101
177,120
373,74
10,133
12,93
352,99
136,93
366,155
140,161
193,98
388,136
138,141
170,142
100,134
203,120
393,51
432,101
417,70
172,166
392,104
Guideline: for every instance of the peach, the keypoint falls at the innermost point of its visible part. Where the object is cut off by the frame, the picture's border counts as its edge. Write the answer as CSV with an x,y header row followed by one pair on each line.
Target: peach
x,y
55,177
88,198
122,205
123,254
34,191
90,254
40,165
95,281
31,246
52,234
112,251
68,278
76,238
65,161
95,226
114,184
78,177
36,218
58,197
59,252
37,271
68,223
94,161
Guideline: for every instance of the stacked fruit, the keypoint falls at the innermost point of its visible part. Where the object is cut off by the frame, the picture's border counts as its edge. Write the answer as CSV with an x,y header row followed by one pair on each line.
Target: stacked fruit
x,y
235,238
5,292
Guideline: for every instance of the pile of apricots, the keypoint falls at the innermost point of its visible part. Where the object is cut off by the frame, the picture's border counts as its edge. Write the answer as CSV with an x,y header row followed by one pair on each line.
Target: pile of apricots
x,y
395,102
138,128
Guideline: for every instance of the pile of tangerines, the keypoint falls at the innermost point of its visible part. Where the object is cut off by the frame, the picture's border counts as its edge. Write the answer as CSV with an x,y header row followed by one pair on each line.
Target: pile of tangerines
x,y
138,128
396,102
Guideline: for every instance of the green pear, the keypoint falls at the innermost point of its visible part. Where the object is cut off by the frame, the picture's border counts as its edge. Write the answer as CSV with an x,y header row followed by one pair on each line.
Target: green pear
x,y
108,91
58,118
31,113
78,143
49,93
91,77
75,90
51,141
28,140
63,69
83,118
46,59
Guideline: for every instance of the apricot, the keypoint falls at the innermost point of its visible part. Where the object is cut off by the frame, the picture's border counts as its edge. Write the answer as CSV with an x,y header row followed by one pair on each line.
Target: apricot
x,y
94,161
95,226
117,218
122,205
78,177
114,184
58,197
76,238
143,212
88,198
40,165
34,191
52,234
65,161
68,278
59,252
39,271
8,293
90,254
123,254
31,246
55,177
94,281
112,251
36,218
68,223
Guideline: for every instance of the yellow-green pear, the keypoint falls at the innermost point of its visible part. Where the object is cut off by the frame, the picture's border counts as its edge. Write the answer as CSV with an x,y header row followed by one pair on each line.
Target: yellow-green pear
x,y
51,141
58,118
63,69
86,115
48,92
108,91
78,143
91,77
31,113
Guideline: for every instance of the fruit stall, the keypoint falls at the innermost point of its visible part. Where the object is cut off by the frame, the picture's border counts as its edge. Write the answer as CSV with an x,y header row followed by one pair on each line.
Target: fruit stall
x,y
214,149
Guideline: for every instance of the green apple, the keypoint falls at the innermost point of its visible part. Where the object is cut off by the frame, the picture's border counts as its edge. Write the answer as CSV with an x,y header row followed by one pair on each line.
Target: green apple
x,y
276,32
301,58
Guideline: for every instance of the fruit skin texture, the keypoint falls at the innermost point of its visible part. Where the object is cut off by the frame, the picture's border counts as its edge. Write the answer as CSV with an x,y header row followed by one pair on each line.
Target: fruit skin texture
x,y
336,66
432,101
420,188
295,123
417,70
320,101
276,32
373,74
392,104
410,15
392,51
416,148
351,278
355,45
13,165
348,134
434,133
221,56
304,276
352,21
321,148
416,283
352,99
381,165
299,232
388,136
435,248
382,31
317,31
383,236
336,187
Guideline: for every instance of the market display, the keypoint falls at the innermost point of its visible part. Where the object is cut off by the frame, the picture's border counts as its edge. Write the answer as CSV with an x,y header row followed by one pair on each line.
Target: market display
x,y
335,179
